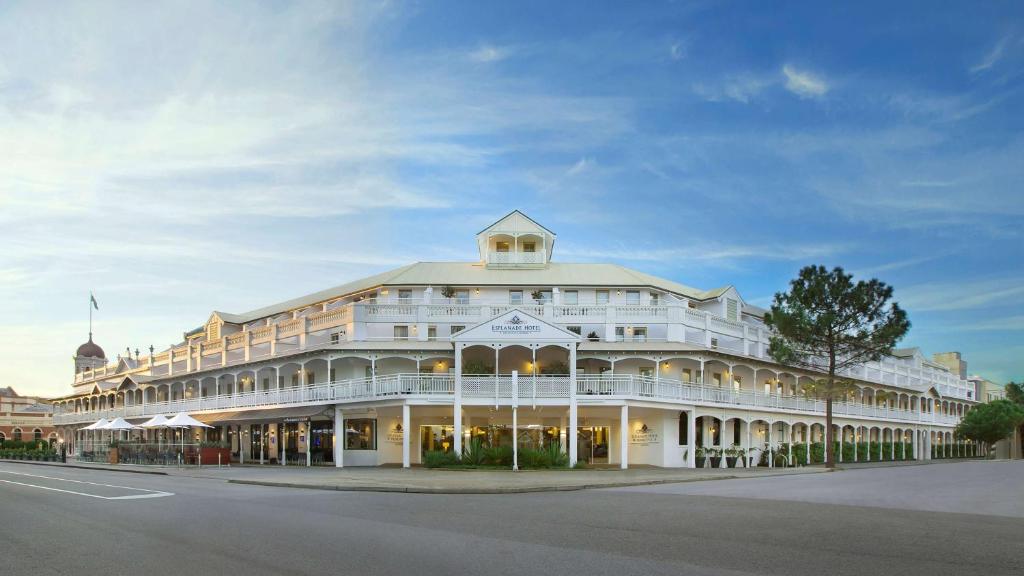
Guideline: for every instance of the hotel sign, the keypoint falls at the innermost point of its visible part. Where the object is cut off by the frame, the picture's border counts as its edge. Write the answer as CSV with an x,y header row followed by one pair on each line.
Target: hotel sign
x,y
515,326
643,435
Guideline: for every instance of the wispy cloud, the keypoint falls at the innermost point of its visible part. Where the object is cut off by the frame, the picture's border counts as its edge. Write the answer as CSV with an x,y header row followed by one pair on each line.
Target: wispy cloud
x,y
804,84
739,88
677,51
489,53
993,56
965,295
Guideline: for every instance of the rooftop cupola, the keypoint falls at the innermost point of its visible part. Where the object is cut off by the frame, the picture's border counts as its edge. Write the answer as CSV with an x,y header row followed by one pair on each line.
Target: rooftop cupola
x,y
515,241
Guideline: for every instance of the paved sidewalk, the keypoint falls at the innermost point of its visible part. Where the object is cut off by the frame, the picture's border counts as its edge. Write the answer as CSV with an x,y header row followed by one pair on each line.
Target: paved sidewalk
x,y
423,480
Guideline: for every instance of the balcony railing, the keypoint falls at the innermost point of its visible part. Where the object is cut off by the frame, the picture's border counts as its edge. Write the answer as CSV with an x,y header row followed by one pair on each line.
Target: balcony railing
x,y
514,258
501,390
695,327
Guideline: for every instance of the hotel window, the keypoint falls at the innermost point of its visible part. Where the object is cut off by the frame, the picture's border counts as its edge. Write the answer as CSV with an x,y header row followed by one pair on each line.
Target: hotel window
x,y
280,381
457,328
37,434
545,296
655,298
737,382
732,309
431,332
684,429
602,297
404,295
401,332
17,434
620,333
515,297
501,246
576,329
361,434
646,373
640,334
529,247
571,297
736,433
266,383
462,296
295,379
687,375
632,296
368,371
714,342
717,379
331,374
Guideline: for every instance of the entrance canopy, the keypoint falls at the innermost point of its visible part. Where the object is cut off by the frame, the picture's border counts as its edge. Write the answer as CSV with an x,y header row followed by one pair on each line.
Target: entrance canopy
x,y
516,326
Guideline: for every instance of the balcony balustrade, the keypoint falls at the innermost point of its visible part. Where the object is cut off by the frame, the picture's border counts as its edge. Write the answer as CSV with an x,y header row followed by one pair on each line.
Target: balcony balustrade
x,y
500,389
695,327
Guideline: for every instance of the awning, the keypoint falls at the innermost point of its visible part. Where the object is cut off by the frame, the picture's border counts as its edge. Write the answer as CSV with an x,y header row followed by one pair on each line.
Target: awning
x,y
270,414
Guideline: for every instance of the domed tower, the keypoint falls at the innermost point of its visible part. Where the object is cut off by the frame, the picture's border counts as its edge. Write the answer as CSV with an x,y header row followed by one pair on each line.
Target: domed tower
x,y
89,355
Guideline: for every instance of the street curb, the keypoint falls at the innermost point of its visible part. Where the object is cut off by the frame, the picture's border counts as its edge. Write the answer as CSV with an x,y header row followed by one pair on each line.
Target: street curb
x,y
523,490
83,467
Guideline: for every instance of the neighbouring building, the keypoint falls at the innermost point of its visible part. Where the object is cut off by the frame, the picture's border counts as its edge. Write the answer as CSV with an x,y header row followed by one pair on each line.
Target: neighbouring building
x,y
614,365
25,417
987,391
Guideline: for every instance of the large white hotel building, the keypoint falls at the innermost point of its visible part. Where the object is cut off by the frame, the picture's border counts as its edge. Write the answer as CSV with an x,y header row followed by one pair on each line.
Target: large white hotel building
x,y
618,366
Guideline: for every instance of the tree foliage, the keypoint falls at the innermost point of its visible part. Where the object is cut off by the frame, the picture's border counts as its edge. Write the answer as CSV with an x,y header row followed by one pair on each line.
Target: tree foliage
x,y
990,422
829,323
1015,393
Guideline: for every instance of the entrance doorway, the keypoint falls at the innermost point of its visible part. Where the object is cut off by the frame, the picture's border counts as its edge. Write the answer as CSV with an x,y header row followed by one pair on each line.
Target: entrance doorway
x,y
256,442
592,444
436,439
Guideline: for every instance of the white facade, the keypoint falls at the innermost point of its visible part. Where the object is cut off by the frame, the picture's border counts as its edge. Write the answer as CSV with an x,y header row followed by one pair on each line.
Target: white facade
x,y
607,361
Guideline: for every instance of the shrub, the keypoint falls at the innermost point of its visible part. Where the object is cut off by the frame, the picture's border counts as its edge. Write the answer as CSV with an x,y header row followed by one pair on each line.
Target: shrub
x,y
817,452
799,454
498,455
439,459
473,453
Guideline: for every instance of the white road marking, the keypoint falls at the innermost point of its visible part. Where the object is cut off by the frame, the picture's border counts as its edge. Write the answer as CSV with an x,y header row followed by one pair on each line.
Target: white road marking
x,y
148,493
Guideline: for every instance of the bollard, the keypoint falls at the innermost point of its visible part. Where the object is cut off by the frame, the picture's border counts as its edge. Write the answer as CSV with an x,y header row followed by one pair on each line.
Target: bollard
x,y
218,459
199,460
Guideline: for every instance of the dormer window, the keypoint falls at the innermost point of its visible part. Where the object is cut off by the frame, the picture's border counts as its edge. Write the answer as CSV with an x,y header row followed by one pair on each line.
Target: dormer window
x,y
529,247
501,247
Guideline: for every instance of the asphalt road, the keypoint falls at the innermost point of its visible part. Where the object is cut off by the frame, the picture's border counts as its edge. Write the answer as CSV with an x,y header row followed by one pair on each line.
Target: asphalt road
x,y
959,519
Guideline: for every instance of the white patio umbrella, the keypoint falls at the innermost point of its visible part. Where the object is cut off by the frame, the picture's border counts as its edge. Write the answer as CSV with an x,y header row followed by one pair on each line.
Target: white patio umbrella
x,y
120,424
183,420
158,421
97,425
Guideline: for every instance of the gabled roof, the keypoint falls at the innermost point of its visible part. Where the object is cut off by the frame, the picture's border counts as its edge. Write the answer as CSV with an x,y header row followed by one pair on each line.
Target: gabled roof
x,y
505,217
516,325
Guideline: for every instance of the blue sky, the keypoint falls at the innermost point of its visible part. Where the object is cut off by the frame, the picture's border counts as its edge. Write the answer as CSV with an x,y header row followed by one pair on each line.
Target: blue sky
x,y
194,157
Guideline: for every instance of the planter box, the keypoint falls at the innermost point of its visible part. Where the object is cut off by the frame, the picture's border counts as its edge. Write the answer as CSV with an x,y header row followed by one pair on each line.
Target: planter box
x,y
209,455
716,461
730,461
698,461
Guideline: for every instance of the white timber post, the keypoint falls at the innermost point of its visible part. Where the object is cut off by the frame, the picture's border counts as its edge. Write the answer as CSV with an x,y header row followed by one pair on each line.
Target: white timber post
x,y
339,437
457,406
515,420
624,437
405,436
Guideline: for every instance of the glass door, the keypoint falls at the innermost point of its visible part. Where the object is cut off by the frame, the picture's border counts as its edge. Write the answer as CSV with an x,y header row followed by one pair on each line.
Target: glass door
x,y
592,444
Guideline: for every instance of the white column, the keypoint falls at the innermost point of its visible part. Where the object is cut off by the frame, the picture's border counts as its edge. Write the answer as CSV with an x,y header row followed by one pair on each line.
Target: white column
x,y
571,431
339,437
405,436
691,439
457,408
771,455
573,408
624,437
807,442
515,436
747,463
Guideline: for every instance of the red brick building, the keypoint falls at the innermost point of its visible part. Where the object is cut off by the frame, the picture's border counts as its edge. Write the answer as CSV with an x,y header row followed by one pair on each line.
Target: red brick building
x,y
25,417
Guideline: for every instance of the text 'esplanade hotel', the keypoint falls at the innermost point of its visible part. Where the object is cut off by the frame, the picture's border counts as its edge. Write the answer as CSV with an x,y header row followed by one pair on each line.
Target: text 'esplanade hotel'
x,y
617,366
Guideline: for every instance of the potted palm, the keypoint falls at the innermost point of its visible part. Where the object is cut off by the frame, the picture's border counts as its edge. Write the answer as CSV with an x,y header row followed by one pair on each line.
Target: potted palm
x,y
715,455
732,453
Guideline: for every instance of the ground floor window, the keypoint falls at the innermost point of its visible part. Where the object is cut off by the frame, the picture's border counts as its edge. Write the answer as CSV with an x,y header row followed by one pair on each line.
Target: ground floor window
x,y
321,437
213,435
361,434
37,434
684,429
592,444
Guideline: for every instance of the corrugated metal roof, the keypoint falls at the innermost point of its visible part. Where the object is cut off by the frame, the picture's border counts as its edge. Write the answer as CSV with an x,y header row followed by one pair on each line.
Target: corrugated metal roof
x,y
476,274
